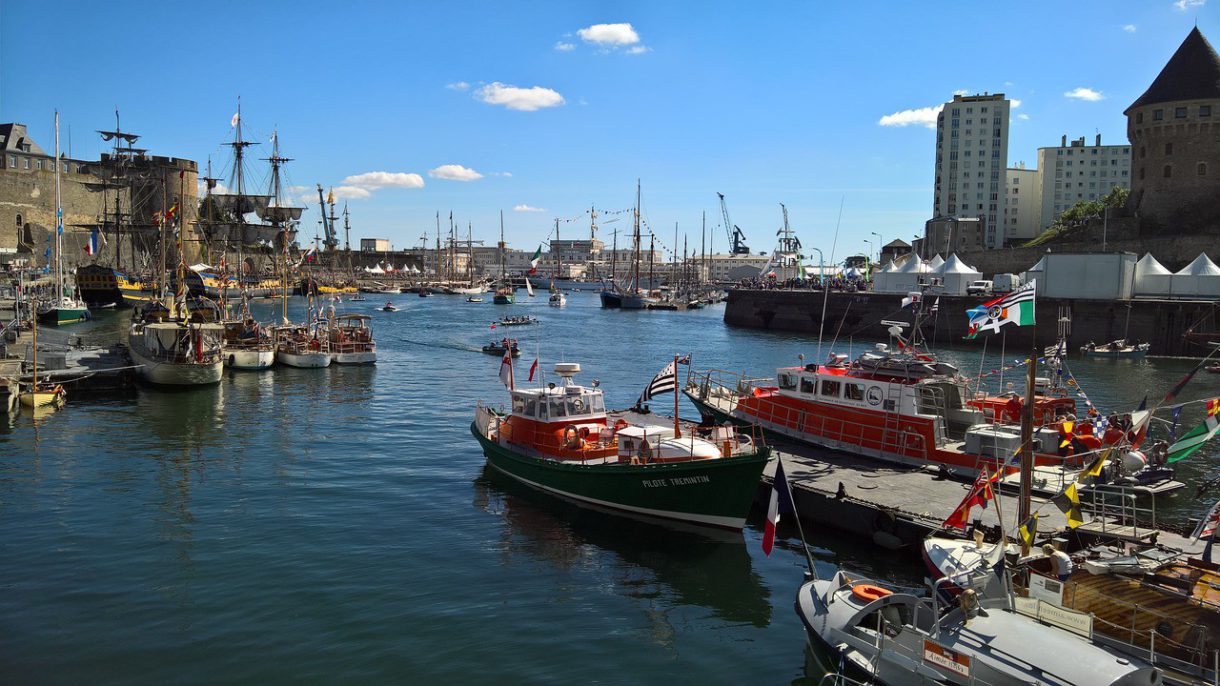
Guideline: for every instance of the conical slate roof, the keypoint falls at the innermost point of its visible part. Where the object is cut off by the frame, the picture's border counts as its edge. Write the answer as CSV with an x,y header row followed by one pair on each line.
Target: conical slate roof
x,y
1193,73
1202,266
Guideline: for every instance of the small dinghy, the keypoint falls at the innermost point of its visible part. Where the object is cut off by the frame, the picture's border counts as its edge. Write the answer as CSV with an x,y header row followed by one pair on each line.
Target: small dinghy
x,y
502,346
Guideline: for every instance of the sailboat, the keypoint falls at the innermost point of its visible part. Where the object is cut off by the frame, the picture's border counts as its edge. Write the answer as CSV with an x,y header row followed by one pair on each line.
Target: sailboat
x,y
41,395
471,288
556,299
173,343
504,290
631,297
65,309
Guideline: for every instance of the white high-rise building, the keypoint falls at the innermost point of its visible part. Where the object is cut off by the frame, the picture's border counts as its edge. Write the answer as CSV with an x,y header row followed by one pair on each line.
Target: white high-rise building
x,y
1024,204
971,159
1074,171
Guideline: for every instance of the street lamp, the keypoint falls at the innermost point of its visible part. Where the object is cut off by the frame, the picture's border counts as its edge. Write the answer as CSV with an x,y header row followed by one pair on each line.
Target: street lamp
x,y
880,243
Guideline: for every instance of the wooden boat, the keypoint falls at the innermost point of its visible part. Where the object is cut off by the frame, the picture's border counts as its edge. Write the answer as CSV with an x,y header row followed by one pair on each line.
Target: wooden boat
x,y
248,345
1119,349
301,347
561,440
523,320
40,395
178,352
351,340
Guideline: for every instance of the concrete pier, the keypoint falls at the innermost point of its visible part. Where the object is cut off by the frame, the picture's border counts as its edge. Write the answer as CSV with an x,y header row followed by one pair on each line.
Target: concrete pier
x,y
1180,328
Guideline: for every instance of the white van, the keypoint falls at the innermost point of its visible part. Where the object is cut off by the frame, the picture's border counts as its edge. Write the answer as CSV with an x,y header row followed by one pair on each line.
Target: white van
x,y
979,288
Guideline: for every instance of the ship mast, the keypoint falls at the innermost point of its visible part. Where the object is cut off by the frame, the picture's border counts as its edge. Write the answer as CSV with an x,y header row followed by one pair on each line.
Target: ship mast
x,y
635,243
59,223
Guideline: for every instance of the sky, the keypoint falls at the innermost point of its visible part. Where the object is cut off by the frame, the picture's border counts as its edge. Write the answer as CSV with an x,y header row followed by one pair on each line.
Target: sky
x,y
544,109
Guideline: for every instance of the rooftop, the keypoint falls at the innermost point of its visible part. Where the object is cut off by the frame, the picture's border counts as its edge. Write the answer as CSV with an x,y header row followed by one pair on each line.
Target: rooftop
x,y
1193,73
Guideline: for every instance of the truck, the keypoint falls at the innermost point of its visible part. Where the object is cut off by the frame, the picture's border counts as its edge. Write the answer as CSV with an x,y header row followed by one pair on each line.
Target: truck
x,y
978,288
1005,283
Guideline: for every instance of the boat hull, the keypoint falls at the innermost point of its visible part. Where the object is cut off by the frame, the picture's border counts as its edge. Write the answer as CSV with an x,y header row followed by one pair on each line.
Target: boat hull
x,y
253,360
501,299
716,492
362,357
59,316
36,399
176,374
306,360
611,300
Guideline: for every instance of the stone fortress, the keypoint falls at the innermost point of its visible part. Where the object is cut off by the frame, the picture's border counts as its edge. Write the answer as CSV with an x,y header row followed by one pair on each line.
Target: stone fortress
x,y
140,185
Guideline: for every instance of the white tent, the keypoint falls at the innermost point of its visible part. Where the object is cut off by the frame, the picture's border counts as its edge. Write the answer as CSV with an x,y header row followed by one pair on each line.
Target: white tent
x,y
1200,278
956,275
936,261
201,267
1152,278
882,278
904,278
375,269
1035,272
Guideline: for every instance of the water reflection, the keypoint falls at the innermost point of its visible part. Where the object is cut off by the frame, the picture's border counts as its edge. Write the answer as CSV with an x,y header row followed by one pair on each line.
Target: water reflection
x,y
662,564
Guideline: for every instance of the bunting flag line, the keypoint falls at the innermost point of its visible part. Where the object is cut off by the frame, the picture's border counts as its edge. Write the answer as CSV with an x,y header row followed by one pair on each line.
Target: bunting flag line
x,y
664,382
1015,308
1094,469
1173,392
1068,502
1195,438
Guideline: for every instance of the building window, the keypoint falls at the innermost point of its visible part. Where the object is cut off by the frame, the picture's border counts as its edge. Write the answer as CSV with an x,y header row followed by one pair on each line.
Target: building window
x,y
1139,117
1205,110
38,164
1202,169
1169,148
1143,152
12,161
1158,115
1141,173
1179,113
26,160
1168,171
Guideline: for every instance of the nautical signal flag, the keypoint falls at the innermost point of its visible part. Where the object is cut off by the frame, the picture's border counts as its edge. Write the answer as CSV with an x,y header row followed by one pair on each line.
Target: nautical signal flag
x,y
1015,308
781,504
980,493
1195,438
533,368
1069,503
1099,463
506,368
1028,530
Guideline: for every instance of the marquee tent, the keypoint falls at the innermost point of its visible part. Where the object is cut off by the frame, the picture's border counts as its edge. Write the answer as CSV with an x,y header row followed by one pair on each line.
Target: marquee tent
x,y
1152,278
1200,278
956,275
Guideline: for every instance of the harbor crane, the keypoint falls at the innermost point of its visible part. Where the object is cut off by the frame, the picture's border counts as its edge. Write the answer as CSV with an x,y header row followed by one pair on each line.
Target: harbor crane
x,y
737,239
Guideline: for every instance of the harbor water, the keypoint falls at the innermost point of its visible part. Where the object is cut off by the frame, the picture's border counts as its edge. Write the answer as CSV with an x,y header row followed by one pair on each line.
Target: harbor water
x,y
339,525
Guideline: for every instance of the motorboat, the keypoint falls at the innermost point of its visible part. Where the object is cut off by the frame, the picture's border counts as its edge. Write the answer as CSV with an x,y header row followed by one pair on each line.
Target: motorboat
x,y
559,439
557,299
302,347
1119,349
502,346
248,345
389,307
474,299
351,339
898,638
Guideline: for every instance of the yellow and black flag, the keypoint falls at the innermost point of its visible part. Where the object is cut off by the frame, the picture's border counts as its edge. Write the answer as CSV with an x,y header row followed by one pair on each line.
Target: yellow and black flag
x,y
1094,469
1069,503
1028,530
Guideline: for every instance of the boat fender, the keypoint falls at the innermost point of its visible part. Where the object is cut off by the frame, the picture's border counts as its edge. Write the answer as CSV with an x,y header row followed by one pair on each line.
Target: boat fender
x,y
868,593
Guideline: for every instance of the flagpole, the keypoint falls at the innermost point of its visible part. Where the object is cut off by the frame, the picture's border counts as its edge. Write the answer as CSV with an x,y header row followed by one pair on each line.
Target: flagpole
x,y
677,430
800,530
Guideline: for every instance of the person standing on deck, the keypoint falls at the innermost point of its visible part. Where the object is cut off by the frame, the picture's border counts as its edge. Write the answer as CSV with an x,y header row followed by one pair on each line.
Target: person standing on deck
x,y
1061,562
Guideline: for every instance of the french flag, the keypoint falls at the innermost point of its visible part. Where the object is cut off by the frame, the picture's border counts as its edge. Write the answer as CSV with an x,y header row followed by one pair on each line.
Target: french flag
x,y
781,503
91,244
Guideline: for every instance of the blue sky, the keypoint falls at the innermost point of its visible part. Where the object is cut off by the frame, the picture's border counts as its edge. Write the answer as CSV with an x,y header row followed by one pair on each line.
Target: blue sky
x,y
557,106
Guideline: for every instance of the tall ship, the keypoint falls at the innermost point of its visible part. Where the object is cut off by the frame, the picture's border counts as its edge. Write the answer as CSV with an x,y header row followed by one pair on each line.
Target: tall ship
x,y
504,292
632,295
123,244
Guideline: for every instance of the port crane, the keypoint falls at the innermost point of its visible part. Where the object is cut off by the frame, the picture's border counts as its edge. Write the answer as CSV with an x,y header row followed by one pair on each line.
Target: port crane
x,y
737,239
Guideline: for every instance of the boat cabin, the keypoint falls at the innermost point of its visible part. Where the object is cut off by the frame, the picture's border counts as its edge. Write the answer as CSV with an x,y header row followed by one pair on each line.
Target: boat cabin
x,y
565,420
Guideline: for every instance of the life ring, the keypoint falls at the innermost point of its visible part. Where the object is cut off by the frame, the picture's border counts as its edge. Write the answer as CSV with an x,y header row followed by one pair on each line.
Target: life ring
x,y
868,592
571,438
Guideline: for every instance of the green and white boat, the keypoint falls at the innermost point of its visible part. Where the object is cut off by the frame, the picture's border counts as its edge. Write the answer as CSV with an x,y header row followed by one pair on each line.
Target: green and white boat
x,y
64,309
561,440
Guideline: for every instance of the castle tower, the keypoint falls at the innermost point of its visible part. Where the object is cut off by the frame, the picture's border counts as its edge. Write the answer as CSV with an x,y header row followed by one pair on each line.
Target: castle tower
x,y
1174,129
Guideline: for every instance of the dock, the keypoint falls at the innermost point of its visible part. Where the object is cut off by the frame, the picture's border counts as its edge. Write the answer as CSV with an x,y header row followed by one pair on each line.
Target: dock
x,y
897,506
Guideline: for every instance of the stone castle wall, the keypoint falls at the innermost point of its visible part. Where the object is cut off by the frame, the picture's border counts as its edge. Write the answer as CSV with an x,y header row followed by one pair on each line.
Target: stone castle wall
x,y
1175,164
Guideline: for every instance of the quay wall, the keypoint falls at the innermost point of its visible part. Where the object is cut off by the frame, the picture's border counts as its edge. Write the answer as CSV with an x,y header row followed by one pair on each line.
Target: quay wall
x,y
1165,324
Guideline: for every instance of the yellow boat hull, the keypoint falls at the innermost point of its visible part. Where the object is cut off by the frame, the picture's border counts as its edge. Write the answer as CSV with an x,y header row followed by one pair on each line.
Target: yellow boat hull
x,y
53,398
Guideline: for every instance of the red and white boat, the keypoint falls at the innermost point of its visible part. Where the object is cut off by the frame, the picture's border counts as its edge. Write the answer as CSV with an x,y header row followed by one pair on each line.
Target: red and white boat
x,y
897,404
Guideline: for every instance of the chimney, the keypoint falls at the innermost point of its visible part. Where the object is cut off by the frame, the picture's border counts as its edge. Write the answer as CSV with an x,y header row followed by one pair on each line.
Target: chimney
x,y
1063,142
1099,140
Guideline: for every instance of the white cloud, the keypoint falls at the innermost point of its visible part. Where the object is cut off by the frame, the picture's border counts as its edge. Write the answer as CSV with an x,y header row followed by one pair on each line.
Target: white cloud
x,y
639,50
609,35
526,208
564,47
1184,5
298,189
520,99
1015,103
923,116
1023,116
351,192
504,174
1083,93
457,86
372,181
961,91
1129,28
454,172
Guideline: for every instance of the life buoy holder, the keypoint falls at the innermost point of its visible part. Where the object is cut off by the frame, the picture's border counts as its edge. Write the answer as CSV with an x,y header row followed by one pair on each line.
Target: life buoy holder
x,y
868,592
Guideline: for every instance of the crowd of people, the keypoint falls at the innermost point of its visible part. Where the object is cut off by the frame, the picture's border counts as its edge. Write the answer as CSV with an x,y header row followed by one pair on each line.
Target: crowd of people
x,y
836,283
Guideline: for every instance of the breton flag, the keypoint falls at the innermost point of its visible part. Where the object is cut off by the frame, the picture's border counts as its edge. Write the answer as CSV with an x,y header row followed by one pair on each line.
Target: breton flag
x,y
1195,438
506,368
1015,308
781,503
91,244
535,260
664,382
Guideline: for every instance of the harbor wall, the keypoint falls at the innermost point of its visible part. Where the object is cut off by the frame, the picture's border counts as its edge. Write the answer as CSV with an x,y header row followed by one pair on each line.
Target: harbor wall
x,y
1172,327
